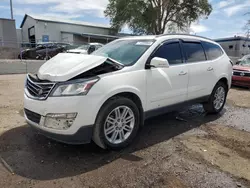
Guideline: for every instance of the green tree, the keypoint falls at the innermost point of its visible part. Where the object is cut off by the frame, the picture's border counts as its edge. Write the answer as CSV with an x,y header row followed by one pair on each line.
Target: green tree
x,y
154,16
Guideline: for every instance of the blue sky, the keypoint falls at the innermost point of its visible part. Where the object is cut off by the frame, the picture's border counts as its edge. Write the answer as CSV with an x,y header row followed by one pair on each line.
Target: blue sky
x,y
227,19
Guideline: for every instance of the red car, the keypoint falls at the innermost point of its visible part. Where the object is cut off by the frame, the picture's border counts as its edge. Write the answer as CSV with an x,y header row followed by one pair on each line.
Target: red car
x,y
241,73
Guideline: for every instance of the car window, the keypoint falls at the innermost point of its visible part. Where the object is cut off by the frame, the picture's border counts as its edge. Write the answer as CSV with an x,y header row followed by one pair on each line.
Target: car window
x,y
213,51
84,47
40,47
194,52
171,52
91,49
98,46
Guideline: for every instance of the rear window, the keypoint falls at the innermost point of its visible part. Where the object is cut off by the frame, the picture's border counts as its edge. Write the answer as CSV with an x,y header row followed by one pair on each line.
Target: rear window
x,y
194,52
213,51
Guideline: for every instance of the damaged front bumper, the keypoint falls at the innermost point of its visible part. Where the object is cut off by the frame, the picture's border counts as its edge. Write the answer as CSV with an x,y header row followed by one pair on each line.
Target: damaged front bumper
x,y
65,119
82,136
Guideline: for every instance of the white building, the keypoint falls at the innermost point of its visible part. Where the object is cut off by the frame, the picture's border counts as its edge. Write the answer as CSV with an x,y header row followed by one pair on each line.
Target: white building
x,y
43,29
236,46
8,36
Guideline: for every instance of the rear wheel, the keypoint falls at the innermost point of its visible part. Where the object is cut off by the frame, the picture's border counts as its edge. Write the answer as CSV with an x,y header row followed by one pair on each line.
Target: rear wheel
x,y
217,99
117,123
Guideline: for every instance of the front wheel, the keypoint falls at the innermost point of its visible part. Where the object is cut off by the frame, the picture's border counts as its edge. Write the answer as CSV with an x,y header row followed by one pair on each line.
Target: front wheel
x,y
117,123
217,99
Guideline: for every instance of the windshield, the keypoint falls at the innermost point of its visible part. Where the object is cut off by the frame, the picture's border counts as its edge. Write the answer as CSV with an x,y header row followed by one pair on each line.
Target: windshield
x,y
245,62
126,52
245,57
83,47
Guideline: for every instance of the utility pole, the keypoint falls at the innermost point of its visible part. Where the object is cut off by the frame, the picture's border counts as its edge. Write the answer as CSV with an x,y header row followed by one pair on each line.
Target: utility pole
x,y
11,10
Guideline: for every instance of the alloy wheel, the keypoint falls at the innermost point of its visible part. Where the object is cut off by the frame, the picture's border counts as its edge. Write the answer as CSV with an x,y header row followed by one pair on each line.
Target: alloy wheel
x,y
119,124
219,98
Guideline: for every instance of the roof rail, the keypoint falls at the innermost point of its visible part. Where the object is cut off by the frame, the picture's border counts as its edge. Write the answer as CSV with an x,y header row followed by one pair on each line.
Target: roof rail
x,y
184,35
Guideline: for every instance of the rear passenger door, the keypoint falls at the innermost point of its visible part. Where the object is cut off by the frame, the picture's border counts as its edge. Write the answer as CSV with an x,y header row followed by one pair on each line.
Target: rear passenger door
x,y
201,71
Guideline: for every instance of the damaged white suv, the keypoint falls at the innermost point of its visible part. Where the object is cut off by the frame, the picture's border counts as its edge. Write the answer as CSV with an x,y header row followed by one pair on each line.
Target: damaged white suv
x,y
106,96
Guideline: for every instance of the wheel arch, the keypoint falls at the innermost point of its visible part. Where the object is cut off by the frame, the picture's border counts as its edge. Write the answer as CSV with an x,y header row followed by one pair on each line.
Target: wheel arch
x,y
130,95
222,79
225,81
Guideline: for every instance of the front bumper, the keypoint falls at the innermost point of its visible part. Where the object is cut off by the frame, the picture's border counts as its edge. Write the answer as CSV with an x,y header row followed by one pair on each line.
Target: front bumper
x,y
241,81
82,136
79,132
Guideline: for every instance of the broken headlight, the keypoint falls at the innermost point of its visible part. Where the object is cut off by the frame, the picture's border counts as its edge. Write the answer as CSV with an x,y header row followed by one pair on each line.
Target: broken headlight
x,y
73,88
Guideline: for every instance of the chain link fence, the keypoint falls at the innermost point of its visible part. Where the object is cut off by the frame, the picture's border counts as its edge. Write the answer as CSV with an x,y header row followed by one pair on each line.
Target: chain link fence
x,y
33,51
25,57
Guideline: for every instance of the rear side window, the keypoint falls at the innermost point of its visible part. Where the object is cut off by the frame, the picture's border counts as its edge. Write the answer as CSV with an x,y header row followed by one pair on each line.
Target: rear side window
x,y
194,52
213,51
171,52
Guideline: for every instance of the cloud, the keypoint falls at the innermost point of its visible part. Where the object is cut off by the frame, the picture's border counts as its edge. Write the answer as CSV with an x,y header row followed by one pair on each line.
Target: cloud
x,y
22,12
81,6
230,11
35,2
94,8
223,4
198,28
4,7
30,11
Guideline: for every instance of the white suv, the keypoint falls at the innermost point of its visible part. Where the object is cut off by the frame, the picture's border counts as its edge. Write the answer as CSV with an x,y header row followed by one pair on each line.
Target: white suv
x,y
106,96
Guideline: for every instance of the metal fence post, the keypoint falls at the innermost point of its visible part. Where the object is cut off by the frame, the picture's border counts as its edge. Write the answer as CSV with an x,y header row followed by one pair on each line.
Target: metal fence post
x,y
26,67
46,53
21,53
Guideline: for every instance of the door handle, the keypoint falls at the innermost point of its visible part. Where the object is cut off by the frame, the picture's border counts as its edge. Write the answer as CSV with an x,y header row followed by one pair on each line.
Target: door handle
x,y
182,73
210,68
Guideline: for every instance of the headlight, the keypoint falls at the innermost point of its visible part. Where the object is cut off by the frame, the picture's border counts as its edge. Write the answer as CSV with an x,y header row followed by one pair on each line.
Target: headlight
x,y
73,88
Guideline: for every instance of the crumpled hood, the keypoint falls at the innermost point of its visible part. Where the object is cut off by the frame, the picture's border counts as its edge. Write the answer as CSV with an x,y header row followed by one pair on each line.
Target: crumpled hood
x,y
65,66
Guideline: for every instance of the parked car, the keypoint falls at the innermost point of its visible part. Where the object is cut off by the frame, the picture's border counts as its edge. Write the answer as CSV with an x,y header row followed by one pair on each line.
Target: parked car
x,y
106,96
241,73
43,51
86,48
245,57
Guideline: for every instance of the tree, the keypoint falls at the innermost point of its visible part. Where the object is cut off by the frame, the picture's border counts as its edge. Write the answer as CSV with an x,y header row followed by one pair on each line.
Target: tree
x,y
154,16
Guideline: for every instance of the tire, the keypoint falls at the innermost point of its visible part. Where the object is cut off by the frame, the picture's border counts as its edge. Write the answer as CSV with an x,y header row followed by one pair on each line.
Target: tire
x,y
210,106
46,58
103,126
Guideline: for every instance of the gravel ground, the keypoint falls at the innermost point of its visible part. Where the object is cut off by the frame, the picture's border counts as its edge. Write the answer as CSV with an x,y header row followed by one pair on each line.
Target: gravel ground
x,y
193,150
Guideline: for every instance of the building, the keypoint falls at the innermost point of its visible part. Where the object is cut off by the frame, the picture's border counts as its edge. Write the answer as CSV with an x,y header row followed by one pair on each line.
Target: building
x,y
8,36
235,47
19,36
37,29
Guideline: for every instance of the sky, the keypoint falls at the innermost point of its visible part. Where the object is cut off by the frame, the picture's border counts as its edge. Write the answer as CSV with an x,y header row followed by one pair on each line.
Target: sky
x,y
226,20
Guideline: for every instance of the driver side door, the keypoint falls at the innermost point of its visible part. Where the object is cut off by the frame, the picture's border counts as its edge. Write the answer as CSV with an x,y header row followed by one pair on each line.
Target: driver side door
x,y
167,86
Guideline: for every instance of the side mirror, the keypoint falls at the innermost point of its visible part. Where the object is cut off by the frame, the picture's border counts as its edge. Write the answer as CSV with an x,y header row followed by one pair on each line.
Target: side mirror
x,y
158,62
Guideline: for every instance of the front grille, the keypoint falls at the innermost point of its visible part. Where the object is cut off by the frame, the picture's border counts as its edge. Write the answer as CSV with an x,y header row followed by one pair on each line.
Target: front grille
x,y
32,116
37,89
241,73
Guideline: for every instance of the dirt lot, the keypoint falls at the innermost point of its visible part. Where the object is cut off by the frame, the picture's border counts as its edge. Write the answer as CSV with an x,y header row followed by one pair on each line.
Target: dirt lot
x,y
193,150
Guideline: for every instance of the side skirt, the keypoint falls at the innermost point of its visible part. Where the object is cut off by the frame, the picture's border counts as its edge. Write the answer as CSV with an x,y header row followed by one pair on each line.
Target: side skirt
x,y
166,109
